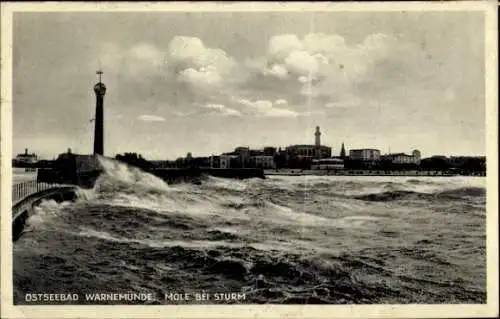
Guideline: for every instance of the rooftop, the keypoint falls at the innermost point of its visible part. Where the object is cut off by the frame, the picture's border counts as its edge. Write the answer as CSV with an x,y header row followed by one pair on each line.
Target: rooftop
x,y
397,154
364,149
308,145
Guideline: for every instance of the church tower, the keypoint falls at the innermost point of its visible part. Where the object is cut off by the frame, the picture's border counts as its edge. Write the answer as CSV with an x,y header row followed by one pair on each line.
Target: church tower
x,y
100,91
342,151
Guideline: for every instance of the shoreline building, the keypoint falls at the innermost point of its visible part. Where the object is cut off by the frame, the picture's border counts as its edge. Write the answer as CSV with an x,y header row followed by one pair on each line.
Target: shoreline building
x,y
328,164
25,158
364,155
307,151
263,161
244,157
228,160
402,158
271,157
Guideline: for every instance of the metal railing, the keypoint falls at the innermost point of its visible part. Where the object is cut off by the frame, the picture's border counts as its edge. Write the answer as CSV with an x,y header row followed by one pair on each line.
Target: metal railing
x,y
23,189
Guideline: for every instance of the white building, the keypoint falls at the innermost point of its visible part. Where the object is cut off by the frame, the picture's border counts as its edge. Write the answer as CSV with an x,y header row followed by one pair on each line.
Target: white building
x,y
306,151
365,154
402,158
26,158
328,163
416,156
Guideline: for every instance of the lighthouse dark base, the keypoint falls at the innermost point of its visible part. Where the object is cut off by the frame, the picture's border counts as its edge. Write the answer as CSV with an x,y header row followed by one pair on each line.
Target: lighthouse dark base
x,y
99,127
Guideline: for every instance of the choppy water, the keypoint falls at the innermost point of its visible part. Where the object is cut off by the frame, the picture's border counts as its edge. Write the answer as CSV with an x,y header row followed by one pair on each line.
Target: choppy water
x,y
280,240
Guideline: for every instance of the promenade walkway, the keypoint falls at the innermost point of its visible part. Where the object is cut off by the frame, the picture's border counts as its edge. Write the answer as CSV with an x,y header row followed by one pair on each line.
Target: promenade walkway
x,y
27,194
21,190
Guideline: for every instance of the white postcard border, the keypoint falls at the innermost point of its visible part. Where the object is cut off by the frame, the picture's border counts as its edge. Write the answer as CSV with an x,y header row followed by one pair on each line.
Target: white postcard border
x,y
254,311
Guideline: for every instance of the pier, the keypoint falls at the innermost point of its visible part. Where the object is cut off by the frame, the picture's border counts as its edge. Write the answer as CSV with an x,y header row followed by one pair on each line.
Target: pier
x,y
27,195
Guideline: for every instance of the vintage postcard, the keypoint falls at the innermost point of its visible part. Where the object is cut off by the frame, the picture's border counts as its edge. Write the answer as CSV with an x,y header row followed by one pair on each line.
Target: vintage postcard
x,y
249,160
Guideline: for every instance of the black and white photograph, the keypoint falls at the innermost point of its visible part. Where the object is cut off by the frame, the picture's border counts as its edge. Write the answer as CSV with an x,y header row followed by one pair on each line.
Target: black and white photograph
x,y
249,157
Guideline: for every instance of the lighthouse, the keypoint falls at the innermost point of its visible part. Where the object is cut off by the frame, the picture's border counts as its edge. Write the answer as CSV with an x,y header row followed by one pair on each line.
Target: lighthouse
x,y
317,137
100,91
317,142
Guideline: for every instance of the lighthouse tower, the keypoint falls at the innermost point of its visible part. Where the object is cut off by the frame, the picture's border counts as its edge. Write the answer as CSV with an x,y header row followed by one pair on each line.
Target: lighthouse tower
x,y
317,135
100,91
317,142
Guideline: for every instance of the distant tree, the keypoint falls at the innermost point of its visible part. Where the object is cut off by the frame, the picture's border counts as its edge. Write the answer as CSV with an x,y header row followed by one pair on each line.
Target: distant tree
x,y
305,163
293,161
472,165
435,164
386,165
353,164
44,164
280,160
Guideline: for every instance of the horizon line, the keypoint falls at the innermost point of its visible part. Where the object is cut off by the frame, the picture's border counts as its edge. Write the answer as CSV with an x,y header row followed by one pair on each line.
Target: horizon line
x,y
168,158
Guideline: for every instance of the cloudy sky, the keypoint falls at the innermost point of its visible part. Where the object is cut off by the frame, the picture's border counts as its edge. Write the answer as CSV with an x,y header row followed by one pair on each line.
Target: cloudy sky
x,y
208,82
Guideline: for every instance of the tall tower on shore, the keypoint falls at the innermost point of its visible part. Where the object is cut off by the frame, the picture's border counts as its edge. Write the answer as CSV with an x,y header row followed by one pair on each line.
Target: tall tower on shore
x,y
317,142
100,91
317,135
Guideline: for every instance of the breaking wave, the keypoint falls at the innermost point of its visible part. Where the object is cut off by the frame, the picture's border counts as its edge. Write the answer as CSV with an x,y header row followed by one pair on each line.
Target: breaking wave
x,y
121,178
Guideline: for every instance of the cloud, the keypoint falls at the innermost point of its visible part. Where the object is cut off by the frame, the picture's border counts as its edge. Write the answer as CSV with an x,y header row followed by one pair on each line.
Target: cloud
x,y
221,109
304,79
277,70
278,112
231,112
303,63
192,52
213,106
198,65
265,108
323,43
324,65
181,114
347,102
148,53
280,46
150,118
257,105
313,112
319,67
204,78
186,64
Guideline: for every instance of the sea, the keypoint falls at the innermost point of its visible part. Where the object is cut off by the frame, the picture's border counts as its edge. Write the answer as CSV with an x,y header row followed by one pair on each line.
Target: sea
x,y
279,240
